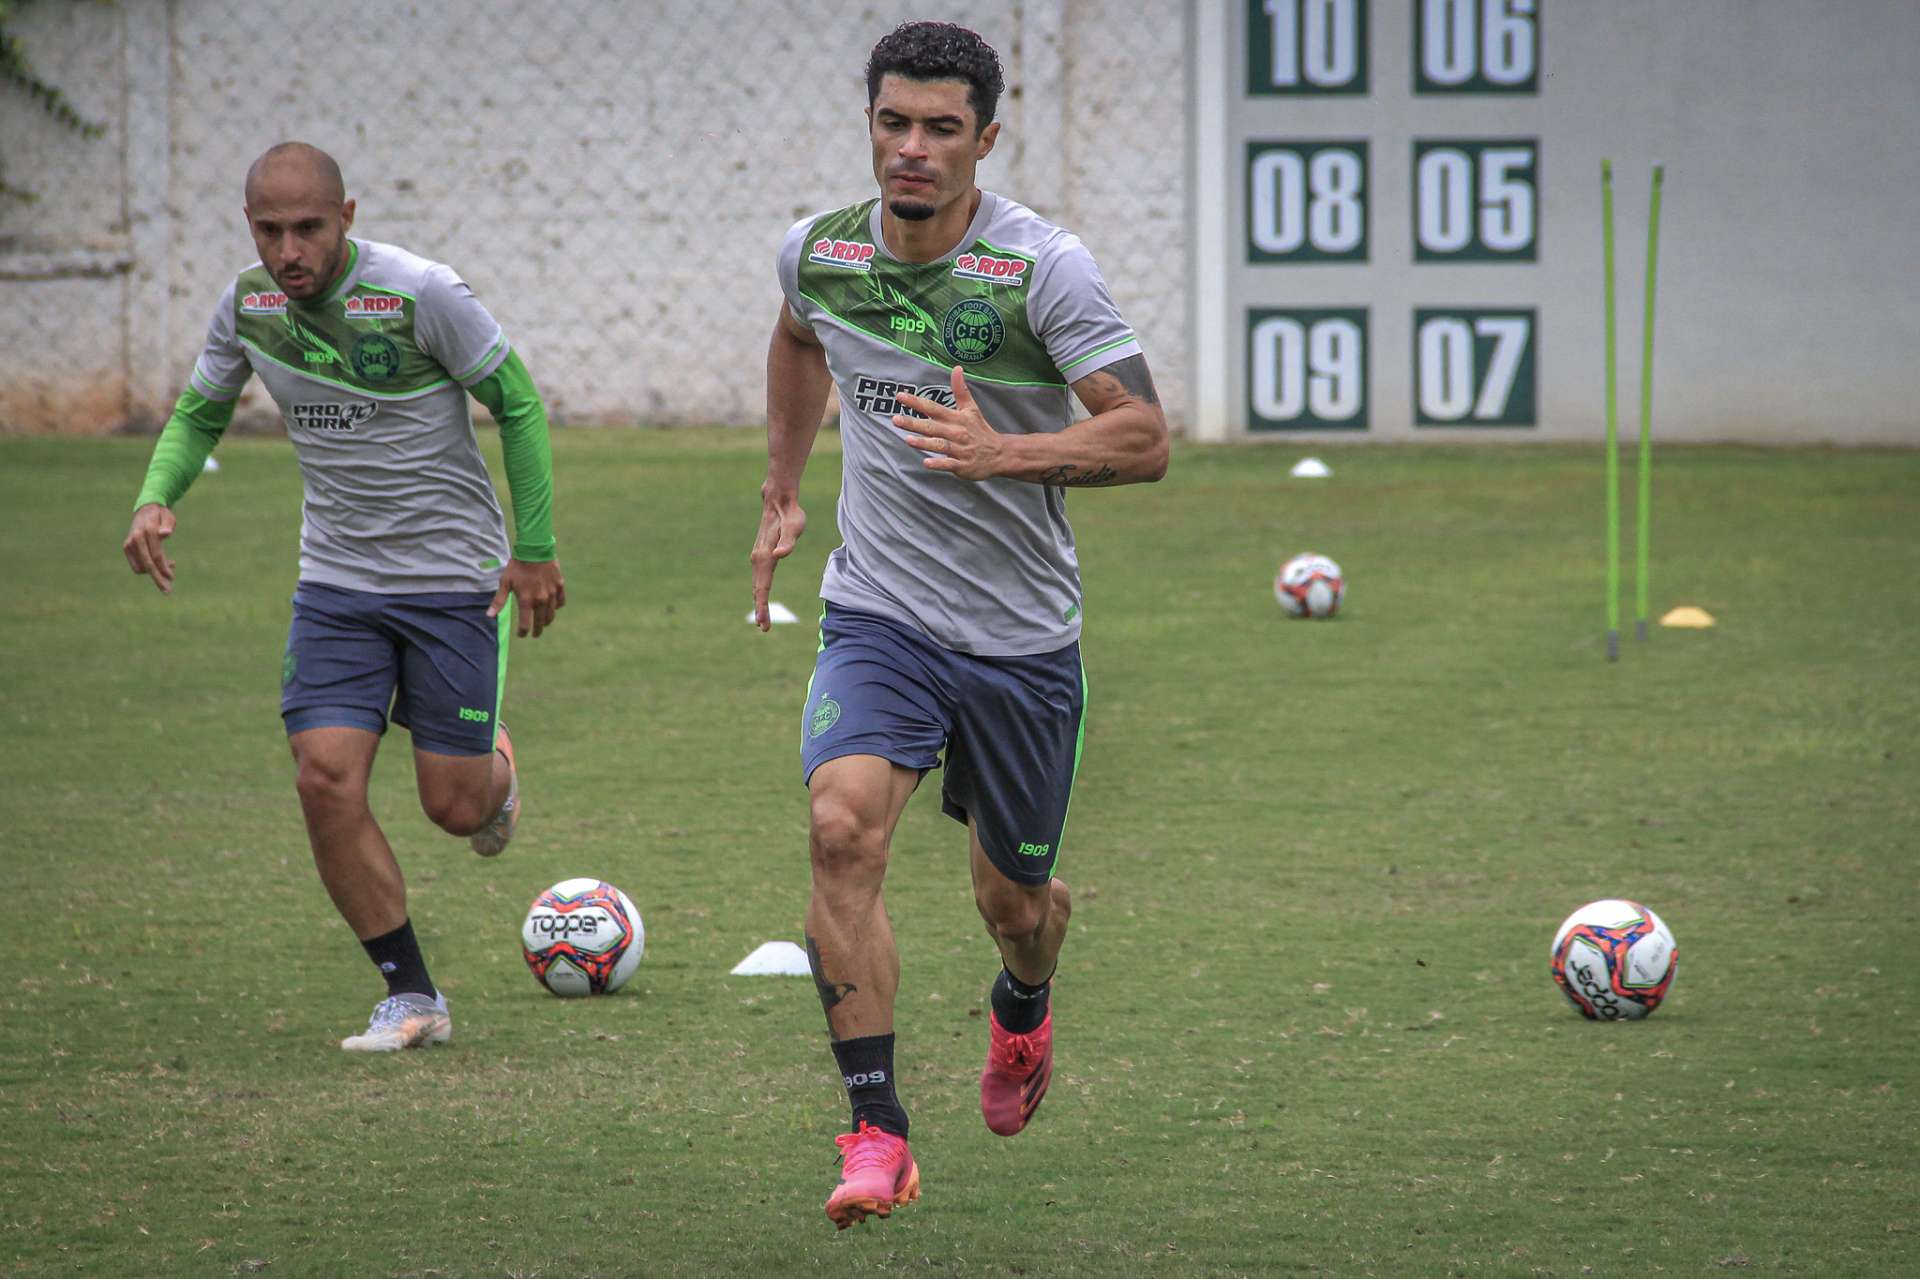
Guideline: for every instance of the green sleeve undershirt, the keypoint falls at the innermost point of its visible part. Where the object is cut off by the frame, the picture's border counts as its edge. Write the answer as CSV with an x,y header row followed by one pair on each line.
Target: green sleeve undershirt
x,y
509,394
190,434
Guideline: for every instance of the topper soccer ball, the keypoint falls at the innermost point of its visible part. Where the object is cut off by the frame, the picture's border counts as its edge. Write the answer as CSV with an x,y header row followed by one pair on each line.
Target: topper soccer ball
x,y
1615,960
1310,586
582,937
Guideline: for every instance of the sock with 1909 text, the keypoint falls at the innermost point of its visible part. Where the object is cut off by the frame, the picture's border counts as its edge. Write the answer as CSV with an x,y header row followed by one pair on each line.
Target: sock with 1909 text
x,y
1018,1007
866,1066
397,956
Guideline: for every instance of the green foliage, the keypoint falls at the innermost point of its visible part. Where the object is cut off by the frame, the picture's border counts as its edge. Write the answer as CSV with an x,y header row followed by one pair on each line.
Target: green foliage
x,y
1305,1021
16,71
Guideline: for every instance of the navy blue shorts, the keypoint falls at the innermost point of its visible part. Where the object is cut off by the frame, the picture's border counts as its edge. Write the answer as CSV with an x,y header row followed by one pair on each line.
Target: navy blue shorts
x,y
1011,727
435,663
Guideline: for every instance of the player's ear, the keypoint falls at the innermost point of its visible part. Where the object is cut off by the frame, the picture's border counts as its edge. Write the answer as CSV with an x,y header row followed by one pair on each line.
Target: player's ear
x,y
987,136
346,217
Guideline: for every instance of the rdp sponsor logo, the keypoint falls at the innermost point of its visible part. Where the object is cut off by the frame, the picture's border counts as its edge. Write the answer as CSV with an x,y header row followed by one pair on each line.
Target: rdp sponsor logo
x,y
375,307
877,395
264,304
562,927
980,266
851,255
332,417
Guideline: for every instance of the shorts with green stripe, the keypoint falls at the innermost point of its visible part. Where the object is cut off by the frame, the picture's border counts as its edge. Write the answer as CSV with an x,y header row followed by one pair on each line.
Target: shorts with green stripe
x,y
1011,728
434,664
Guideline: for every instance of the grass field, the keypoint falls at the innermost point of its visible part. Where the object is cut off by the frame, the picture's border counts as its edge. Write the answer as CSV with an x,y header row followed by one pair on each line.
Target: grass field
x,y
1305,1022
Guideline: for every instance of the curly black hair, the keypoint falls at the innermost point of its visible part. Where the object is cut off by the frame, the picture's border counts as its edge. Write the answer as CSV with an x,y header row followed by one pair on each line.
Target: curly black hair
x,y
940,51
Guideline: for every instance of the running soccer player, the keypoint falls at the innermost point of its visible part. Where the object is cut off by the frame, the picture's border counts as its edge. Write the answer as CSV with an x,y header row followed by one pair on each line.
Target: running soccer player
x,y
953,322
401,609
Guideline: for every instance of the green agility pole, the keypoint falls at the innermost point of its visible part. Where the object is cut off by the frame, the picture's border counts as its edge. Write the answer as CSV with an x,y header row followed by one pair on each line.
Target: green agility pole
x,y
1644,509
1613,419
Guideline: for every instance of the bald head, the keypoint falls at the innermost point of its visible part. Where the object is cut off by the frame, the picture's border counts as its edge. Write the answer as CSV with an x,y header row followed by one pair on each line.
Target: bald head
x,y
298,212
300,166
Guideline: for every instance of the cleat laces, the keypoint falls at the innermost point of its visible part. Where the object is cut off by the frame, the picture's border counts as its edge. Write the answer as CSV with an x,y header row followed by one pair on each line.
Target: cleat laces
x,y
860,1150
1018,1053
392,1012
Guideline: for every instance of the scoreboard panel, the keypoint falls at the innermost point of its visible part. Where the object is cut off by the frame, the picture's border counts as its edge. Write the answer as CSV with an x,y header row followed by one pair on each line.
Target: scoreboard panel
x,y
1382,189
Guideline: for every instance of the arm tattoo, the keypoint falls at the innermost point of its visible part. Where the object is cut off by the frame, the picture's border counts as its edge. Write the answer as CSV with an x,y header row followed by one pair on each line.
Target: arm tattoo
x,y
1100,388
831,992
1067,475
1131,373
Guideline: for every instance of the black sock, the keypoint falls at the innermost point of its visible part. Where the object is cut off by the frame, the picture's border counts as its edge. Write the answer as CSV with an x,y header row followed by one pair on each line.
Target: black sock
x,y
866,1064
397,956
1019,1007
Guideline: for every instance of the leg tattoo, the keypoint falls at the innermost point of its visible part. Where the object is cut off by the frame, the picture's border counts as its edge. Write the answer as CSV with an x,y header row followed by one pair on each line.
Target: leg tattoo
x,y
831,992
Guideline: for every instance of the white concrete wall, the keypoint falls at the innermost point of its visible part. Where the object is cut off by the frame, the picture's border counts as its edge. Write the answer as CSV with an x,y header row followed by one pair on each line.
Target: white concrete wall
x,y
614,178
66,258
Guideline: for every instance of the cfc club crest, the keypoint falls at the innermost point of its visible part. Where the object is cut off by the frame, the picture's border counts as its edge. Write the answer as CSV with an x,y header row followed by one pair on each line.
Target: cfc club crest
x,y
972,331
375,357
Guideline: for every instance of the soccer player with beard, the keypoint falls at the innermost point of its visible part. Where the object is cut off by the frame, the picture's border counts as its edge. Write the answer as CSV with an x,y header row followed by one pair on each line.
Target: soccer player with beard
x,y
953,323
407,584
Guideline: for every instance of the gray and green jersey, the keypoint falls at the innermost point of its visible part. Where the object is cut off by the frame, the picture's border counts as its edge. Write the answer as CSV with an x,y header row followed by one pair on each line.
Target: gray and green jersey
x,y
981,567
372,380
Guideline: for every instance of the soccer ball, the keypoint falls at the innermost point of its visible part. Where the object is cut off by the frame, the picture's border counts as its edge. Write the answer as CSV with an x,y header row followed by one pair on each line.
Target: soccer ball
x,y
582,937
1615,960
1310,586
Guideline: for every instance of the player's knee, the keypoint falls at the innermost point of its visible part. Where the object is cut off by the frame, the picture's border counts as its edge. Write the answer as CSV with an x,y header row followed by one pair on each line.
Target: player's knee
x,y
845,843
326,787
454,811
1015,912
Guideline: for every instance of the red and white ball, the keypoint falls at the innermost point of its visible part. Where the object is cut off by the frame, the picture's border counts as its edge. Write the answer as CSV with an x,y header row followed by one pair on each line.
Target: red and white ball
x,y
582,937
1310,586
1614,960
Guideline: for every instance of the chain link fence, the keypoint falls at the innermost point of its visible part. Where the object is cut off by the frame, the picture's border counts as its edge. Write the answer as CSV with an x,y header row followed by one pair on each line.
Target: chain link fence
x,y
1125,92
614,179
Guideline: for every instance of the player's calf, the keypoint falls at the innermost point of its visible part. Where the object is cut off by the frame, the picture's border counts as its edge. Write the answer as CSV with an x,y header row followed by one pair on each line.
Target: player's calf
x,y
491,839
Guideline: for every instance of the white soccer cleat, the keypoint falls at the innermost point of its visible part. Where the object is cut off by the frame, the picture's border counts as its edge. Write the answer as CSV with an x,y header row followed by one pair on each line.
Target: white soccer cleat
x,y
492,839
403,1021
